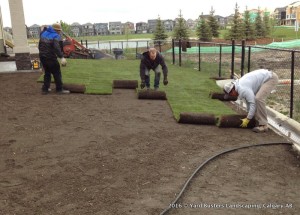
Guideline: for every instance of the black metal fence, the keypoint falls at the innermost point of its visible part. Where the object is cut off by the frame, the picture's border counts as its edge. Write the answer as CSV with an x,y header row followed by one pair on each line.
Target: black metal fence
x,y
131,49
224,60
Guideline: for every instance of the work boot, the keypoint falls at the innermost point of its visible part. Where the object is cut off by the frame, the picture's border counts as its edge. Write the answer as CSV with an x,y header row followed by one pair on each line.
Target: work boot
x,y
45,92
63,91
260,129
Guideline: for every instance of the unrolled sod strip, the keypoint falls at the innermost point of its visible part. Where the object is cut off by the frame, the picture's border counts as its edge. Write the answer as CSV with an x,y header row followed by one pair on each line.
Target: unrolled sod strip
x,y
234,121
75,88
197,118
221,97
152,94
125,84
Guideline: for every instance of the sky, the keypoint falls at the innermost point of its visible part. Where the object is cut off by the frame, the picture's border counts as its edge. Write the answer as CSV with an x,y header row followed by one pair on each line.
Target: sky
x,y
43,12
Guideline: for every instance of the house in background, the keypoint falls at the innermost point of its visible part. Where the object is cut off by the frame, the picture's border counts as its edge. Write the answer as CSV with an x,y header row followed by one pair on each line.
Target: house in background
x,y
88,29
222,21
280,15
152,25
75,29
293,13
128,28
141,27
191,24
115,27
8,30
169,25
101,28
34,31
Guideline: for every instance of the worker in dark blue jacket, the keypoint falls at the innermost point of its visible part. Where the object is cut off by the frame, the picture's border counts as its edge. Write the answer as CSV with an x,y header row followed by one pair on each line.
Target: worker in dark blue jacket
x,y
49,51
151,61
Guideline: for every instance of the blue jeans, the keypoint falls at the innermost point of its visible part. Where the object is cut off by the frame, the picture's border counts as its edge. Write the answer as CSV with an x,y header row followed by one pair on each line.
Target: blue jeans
x,y
156,78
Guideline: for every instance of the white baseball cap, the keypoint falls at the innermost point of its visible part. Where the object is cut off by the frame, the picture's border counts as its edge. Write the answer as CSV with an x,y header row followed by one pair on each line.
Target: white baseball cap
x,y
228,87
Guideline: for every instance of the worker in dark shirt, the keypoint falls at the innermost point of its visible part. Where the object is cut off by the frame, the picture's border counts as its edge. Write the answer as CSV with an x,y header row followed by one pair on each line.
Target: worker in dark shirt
x,y
49,51
151,61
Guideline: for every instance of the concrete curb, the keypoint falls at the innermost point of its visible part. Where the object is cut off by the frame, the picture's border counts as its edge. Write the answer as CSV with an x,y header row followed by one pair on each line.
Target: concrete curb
x,y
282,124
284,121
20,71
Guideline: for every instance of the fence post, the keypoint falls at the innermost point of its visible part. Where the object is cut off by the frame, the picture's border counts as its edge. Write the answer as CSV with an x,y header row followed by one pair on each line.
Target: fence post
x,y
232,58
173,51
199,55
220,61
179,52
110,46
249,58
243,58
292,84
86,44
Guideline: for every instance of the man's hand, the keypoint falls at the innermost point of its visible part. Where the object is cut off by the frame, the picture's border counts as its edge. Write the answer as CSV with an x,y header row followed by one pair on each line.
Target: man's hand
x,y
143,84
63,61
166,81
244,122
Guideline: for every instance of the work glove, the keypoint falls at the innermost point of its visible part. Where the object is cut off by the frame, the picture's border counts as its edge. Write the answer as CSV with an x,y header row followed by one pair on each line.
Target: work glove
x,y
143,84
63,61
244,122
166,81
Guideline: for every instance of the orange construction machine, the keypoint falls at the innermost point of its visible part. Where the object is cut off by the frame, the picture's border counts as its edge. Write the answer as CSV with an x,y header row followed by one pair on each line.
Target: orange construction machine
x,y
73,49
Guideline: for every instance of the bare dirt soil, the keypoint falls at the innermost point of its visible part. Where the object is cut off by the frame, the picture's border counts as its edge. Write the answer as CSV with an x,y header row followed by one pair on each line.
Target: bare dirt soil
x,y
114,154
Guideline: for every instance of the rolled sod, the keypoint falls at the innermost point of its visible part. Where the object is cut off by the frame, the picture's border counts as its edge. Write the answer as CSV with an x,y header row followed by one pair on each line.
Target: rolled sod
x,y
152,94
125,84
75,88
234,121
221,96
197,118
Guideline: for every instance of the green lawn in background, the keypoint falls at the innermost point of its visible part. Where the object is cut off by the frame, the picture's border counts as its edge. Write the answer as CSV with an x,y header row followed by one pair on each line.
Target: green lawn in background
x,y
188,89
283,33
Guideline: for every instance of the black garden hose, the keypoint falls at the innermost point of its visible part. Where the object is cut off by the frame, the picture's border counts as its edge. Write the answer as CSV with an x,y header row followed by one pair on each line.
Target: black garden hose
x,y
210,159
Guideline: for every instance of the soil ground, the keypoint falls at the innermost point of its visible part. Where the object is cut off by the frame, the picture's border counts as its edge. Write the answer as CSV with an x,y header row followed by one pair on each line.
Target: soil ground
x,y
114,154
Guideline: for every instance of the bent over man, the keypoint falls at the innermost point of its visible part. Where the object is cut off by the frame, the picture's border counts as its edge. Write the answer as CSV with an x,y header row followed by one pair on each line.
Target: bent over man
x,y
151,61
254,87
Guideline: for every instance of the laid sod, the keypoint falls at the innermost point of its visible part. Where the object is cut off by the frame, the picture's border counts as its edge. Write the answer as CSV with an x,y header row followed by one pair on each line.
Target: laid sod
x,y
188,89
98,75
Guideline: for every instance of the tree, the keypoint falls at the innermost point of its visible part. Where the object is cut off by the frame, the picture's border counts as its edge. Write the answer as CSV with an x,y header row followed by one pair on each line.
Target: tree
x,y
181,30
259,27
66,28
213,23
237,28
203,30
267,25
248,26
160,32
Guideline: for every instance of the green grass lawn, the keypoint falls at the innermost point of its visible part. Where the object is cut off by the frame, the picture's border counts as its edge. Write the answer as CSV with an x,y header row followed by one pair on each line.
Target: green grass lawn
x,y
188,89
